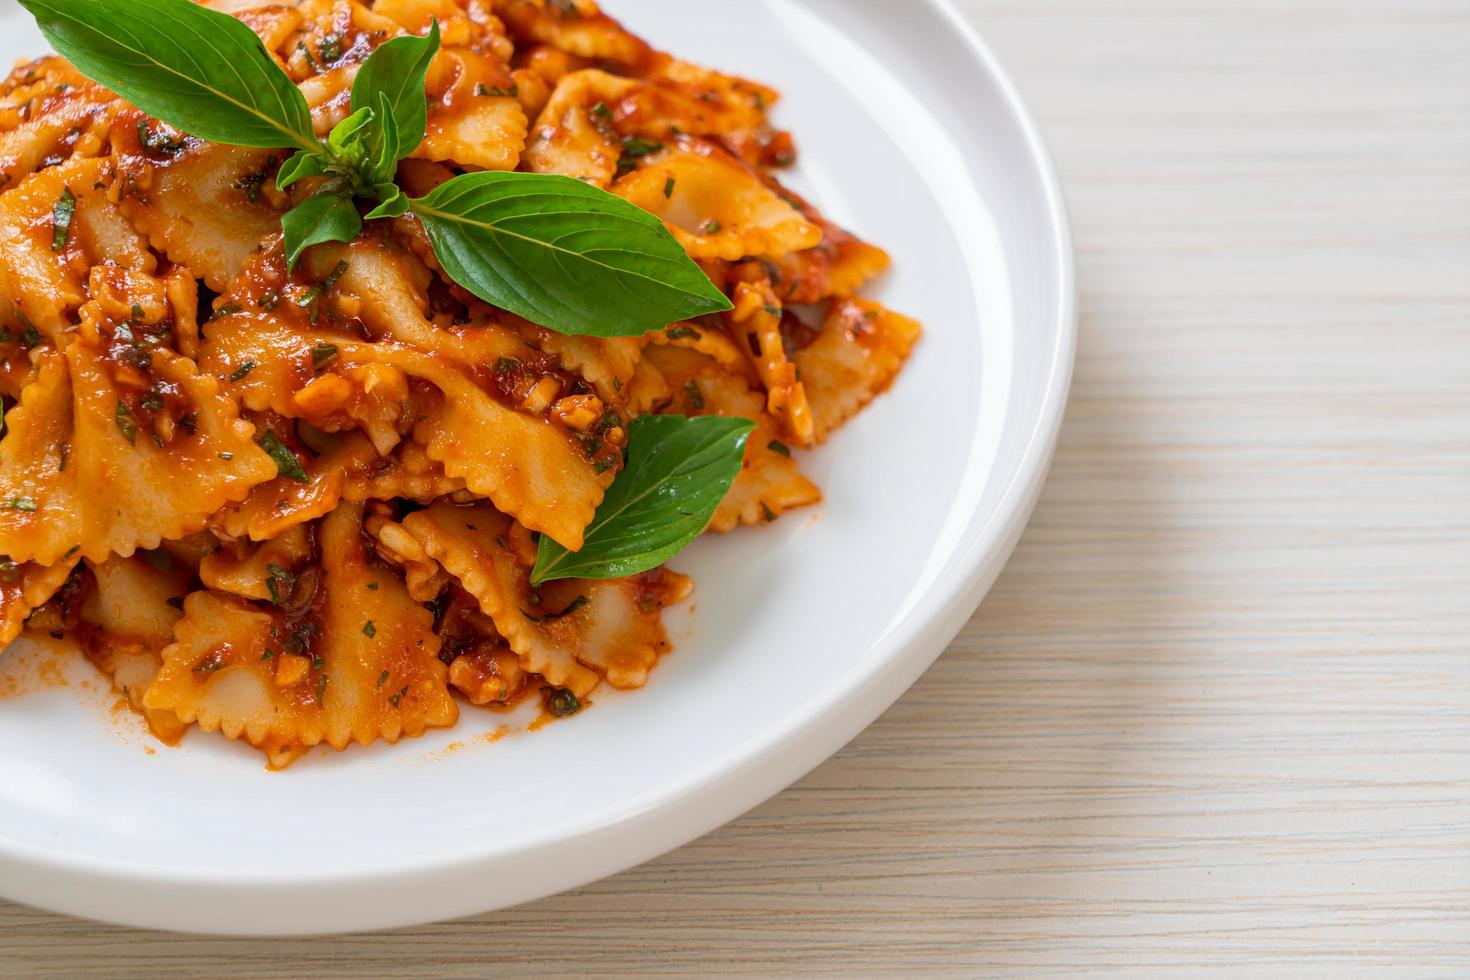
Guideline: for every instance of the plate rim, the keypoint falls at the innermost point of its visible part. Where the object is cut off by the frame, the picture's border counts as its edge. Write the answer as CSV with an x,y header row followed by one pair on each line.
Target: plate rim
x,y
684,810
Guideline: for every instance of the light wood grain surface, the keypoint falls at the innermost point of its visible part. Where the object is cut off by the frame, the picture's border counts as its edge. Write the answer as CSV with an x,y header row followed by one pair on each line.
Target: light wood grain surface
x,y
1215,717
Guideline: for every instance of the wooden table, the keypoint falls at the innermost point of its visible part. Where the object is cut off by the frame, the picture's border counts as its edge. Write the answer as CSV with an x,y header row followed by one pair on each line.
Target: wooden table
x,y
1216,714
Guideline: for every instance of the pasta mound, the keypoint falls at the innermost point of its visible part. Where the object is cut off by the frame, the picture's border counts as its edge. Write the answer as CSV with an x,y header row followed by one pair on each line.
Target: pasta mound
x,y
302,507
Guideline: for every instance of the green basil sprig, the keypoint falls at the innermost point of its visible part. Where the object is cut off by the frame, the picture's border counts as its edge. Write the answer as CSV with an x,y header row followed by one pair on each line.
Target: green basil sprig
x,y
581,262
679,469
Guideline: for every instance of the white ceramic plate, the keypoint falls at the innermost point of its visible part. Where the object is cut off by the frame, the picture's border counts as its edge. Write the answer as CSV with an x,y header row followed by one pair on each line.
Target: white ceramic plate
x,y
801,635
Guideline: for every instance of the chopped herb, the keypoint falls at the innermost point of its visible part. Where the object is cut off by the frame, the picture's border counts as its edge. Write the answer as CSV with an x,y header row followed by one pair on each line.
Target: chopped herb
x,y
226,456
779,447
321,686
137,312
322,353
228,309
773,310
696,397
497,91
20,503
603,465
318,662
369,630
310,296
250,183
28,337
287,464
61,217
634,149
373,586
637,146
669,188
267,301
189,423
682,331
382,679
279,583
398,697
209,664
602,110
710,227
330,47
300,639
241,371
770,516
125,423
562,703
648,605
72,550
65,453
152,399
268,655
157,142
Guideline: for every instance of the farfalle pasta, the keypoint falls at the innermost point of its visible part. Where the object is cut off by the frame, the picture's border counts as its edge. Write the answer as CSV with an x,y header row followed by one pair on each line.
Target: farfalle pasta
x,y
303,503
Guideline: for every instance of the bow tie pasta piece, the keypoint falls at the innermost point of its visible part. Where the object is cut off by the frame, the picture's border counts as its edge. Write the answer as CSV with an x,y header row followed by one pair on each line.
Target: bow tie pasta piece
x,y
527,467
861,349
204,205
577,27
715,206
131,609
610,626
24,589
471,543
88,463
838,266
41,284
574,135
54,117
361,663
712,103
473,119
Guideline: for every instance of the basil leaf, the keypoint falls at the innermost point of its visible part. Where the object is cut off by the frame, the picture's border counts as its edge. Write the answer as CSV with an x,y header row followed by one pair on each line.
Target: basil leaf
x,y
385,144
305,163
395,72
395,202
327,217
564,254
201,71
679,469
